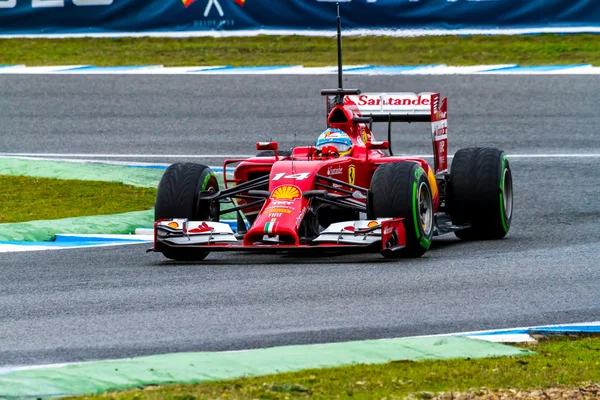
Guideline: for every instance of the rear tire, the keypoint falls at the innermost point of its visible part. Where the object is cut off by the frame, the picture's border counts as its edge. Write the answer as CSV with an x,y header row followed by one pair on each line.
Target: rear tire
x,y
401,190
480,193
179,196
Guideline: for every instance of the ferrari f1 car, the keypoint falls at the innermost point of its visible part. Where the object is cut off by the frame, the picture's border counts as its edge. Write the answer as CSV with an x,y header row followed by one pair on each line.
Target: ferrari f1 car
x,y
313,200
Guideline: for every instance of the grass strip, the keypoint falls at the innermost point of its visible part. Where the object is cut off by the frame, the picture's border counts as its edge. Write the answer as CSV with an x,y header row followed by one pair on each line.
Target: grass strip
x,y
180,368
309,51
561,365
42,198
29,199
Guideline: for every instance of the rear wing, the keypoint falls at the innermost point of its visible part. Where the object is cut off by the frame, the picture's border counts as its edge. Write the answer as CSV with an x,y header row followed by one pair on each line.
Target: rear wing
x,y
405,107
400,107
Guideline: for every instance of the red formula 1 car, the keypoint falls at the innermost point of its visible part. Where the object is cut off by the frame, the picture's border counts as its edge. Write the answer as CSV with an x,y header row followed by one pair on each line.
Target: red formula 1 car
x,y
318,199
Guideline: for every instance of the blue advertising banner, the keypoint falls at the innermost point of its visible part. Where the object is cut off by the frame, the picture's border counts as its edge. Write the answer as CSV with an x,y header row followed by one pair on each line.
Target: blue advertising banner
x,y
96,16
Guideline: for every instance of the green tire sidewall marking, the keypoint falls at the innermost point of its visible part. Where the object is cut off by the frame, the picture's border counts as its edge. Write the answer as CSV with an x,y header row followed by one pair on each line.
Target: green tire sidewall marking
x,y
502,215
424,241
418,172
415,218
504,226
207,178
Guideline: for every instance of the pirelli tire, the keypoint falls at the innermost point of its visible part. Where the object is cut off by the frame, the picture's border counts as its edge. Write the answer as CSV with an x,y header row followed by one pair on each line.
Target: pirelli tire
x,y
402,190
179,195
480,193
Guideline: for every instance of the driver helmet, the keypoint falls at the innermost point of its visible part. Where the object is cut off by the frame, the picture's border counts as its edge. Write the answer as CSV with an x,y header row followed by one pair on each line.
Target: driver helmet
x,y
335,138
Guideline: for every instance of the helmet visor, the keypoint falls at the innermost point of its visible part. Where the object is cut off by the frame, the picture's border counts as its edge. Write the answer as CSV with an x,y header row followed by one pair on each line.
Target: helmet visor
x,y
341,147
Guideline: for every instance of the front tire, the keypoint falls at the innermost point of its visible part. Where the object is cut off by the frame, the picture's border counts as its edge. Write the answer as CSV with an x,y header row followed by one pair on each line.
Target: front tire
x,y
480,193
179,195
402,190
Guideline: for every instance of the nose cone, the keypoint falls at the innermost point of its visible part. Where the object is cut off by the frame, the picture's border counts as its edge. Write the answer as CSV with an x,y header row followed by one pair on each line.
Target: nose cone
x,y
280,218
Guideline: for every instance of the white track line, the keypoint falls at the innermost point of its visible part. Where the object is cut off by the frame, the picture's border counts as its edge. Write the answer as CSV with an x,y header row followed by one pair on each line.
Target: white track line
x,y
306,32
92,155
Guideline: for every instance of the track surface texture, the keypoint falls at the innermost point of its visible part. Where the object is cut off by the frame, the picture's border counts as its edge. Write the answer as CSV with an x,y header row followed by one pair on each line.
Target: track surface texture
x,y
82,304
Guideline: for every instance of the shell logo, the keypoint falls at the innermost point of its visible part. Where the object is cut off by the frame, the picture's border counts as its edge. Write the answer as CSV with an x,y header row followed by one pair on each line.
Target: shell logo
x,y
286,193
173,225
372,224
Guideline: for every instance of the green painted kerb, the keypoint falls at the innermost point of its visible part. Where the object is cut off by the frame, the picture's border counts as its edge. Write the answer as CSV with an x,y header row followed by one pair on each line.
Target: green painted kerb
x,y
103,376
144,177
42,231
45,230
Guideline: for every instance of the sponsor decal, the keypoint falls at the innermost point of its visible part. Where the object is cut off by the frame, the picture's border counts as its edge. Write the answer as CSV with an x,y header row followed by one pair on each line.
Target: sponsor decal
x,y
388,230
439,115
334,171
301,217
220,22
442,160
203,227
278,210
365,100
55,3
440,130
173,225
349,228
271,226
351,174
275,215
287,192
281,203
212,3
372,224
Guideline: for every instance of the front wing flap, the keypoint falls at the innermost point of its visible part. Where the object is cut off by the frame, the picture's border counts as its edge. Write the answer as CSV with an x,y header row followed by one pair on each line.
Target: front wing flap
x,y
386,234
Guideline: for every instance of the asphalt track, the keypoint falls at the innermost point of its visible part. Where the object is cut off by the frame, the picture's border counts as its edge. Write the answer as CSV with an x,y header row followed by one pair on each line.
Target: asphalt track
x,y
82,304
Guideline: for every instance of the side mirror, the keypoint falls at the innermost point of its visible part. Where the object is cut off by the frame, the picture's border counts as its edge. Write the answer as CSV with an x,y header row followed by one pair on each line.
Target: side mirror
x,y
377,145
267,146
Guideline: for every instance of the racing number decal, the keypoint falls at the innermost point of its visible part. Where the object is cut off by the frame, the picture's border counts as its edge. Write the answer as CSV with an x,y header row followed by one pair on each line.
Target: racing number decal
x,y
351,174
297,177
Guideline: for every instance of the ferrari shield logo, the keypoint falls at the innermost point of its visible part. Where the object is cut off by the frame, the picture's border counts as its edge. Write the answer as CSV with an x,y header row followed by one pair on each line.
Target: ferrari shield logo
x,y
351,174
364,136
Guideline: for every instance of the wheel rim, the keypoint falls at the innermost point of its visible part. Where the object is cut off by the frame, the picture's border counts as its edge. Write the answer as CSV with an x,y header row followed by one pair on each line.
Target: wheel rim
x,y
213,212
213,207
425,209
507,193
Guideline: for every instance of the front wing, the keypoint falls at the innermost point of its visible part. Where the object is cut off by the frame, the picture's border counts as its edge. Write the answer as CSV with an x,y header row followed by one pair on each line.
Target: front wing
x,y
383,235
